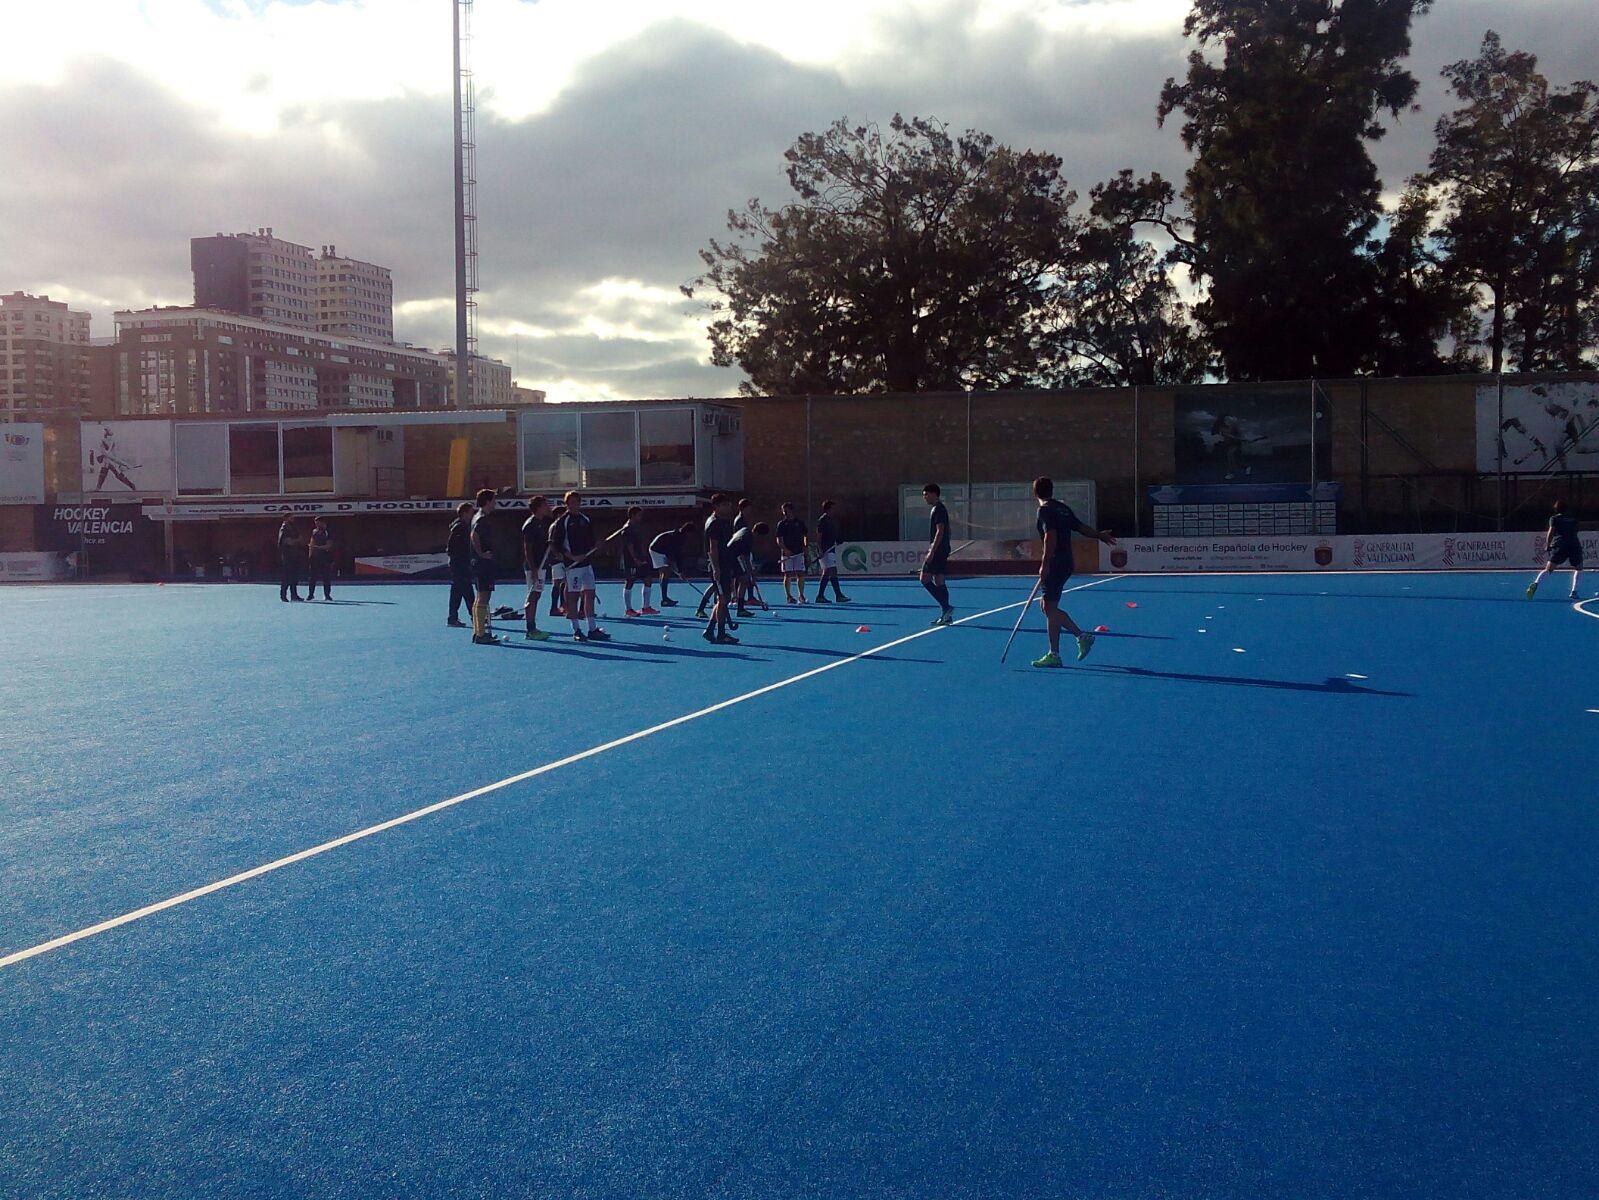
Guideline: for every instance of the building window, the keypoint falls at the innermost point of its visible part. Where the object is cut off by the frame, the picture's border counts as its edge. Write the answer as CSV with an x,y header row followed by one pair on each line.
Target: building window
x,y
549,451
609,449
253,460
307,458
201,454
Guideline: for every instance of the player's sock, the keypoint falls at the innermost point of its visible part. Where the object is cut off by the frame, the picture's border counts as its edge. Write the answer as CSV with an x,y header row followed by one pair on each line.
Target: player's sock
x,y
941,594
1575,576
480,618
648,588
627,596
665,599
931,589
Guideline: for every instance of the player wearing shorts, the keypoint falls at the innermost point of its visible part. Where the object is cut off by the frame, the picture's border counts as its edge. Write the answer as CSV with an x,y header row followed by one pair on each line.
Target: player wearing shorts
x,y
1562,547
557,570
744,579
636,568
718,534
573,538
827,554
320,560
667,552
483,569
793,539
937,561
1056,524
535,563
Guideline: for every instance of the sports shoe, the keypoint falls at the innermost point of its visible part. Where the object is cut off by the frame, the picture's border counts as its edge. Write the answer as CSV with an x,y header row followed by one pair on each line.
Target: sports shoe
x,y
631,612
1085,643
649,610
1532,590
947,618
708,636
823,600
485,639
579,636
535,635
599,635
837,599
743,612
455,624
668,603
1049,660
727,639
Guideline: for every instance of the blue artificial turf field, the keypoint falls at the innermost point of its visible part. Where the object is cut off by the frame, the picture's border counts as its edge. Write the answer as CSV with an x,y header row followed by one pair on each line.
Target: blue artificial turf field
x,y
1320,918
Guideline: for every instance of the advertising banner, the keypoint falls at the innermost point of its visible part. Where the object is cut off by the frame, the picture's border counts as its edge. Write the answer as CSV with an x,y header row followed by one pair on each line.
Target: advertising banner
x,y
1518,551
1543,427
880,558
1255,436
32,567
105,537
227,510
408,566
127,457
21,464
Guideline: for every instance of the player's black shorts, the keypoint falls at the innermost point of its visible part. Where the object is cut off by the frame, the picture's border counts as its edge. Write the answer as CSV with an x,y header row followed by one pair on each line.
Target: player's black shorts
x,y
640,573
484,578
1567,556
937,564
1054,585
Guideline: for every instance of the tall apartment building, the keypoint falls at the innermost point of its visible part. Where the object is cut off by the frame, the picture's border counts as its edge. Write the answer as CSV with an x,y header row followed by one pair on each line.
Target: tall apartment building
x,y
354,299
491,384
256,275
44,358
193,360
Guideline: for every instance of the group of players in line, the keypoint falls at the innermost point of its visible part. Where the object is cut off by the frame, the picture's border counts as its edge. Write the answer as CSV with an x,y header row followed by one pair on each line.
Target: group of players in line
x,y
559,544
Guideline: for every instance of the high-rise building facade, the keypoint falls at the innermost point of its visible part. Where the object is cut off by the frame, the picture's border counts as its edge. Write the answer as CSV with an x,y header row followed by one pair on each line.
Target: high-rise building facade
x,y
491,381
192,360
354,299
256,275
44,358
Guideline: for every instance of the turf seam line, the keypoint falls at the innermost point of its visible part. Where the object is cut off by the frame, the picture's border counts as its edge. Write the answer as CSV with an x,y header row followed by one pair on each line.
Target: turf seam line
x,y
289,860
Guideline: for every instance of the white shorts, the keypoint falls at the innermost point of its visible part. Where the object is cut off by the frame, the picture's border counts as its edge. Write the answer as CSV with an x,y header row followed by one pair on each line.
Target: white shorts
x,y
535,580
557,572
659,561
580,579
828,559
793,564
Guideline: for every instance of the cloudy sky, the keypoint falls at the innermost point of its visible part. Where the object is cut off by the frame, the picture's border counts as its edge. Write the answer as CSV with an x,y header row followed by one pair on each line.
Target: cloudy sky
x,y
613,137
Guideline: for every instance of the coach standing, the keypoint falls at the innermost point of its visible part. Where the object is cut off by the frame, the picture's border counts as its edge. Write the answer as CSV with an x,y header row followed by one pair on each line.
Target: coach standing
x,y
291,558
459,549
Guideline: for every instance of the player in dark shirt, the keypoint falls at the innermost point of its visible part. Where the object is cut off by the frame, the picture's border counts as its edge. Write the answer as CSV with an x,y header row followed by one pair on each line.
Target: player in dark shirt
x,y
535,563
827,553
636,568
792,541
483,569
320,560
572,537
744,587
1562,547
1056,524
667,553
718,533
291,557
458,547
937,561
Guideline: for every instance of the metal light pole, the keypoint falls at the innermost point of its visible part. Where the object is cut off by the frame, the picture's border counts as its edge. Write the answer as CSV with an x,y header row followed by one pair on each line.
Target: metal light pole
x,y
463,336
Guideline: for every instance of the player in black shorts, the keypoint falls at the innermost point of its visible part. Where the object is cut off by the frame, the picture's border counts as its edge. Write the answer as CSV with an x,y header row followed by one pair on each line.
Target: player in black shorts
x,y
535,563
483,570
636,567
827,553
667,552
937,561
458,547
320,560
718,533
1056,524
1563,547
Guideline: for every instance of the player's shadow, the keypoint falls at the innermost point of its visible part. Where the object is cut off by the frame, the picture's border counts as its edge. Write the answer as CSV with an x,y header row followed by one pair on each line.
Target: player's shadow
x,y
685,651
1333,685
578,649
1143,637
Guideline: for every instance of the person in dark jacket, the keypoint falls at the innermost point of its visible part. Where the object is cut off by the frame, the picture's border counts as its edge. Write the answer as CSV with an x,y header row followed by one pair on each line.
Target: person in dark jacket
x,y
459,549
291,559
320,560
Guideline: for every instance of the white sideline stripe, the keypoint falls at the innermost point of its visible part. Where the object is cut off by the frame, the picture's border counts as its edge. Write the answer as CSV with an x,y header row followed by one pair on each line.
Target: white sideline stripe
x,y
278,864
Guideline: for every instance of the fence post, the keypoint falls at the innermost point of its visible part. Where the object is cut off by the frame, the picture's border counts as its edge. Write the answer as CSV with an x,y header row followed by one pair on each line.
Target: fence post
x,y
1138,514
1499,450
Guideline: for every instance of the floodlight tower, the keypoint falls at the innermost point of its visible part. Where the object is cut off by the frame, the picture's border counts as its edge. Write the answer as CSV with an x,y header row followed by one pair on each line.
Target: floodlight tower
x,y
465,204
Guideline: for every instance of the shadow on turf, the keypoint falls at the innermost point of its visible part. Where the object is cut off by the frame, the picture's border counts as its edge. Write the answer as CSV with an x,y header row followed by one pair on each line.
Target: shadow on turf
x,y
1143,637
1332,686
1156,593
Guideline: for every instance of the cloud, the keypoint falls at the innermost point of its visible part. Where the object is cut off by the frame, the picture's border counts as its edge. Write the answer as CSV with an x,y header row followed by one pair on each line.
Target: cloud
x,y
602,176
